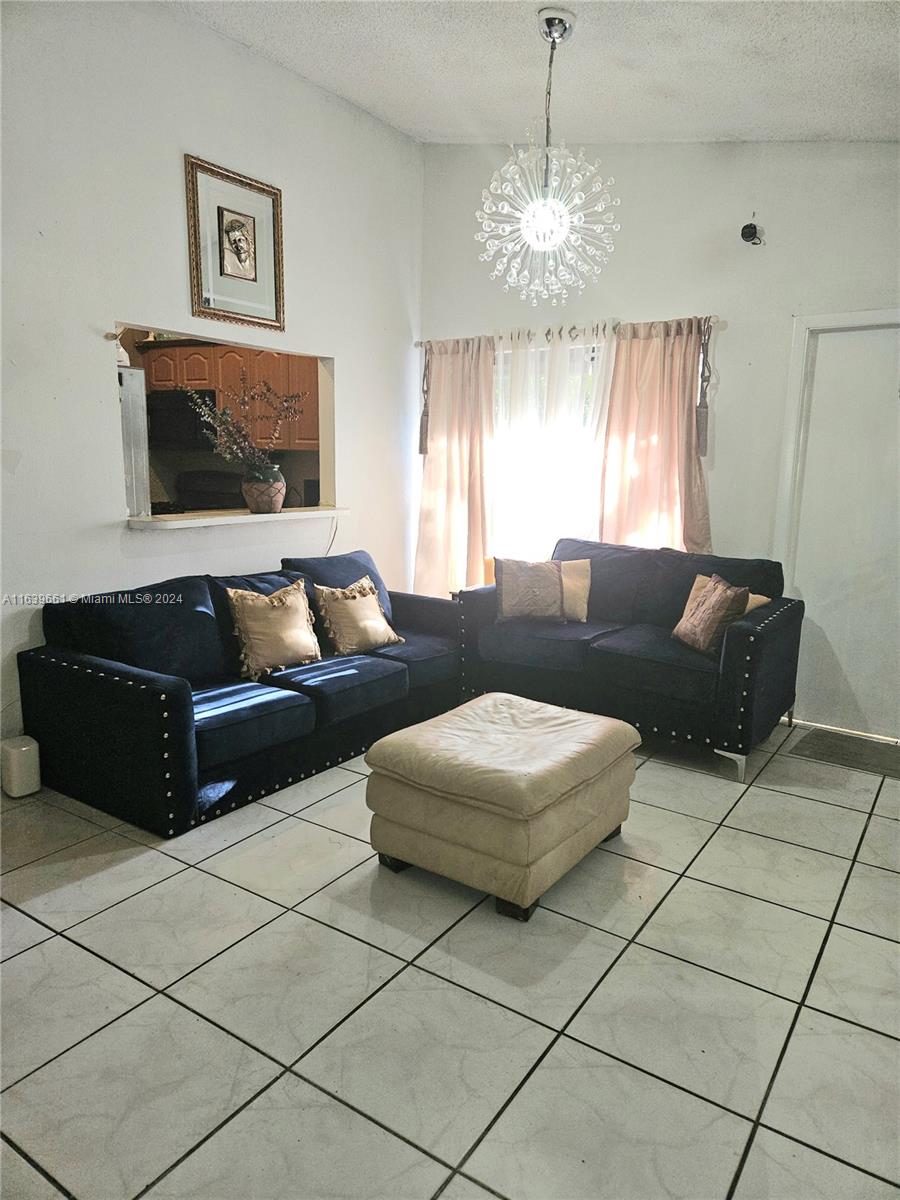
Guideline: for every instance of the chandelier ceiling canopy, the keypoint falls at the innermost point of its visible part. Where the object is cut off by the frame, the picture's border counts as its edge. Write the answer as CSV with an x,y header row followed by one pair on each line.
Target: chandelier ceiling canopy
x,y
547,219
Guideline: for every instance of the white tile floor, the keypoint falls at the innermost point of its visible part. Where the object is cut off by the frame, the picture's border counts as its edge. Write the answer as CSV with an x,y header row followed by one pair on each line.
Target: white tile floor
x,y
707,1007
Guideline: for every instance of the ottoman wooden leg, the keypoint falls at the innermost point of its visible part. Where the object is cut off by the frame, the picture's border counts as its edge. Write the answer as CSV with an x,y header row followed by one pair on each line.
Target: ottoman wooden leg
x,y
506,909
393,864
610,836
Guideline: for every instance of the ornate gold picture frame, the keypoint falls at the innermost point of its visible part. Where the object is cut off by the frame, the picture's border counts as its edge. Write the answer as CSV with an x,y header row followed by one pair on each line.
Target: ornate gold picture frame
x,y
220,289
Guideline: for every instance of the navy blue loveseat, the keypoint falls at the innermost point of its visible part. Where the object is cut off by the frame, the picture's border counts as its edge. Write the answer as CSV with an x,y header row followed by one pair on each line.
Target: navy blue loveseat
x,y
139,709
624,661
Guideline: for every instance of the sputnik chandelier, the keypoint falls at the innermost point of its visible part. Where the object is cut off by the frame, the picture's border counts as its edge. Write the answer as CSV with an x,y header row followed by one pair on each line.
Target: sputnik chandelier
x,y
547,219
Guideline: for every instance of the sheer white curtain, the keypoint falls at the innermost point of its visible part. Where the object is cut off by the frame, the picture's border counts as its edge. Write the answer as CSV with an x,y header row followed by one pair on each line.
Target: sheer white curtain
x,y
544,460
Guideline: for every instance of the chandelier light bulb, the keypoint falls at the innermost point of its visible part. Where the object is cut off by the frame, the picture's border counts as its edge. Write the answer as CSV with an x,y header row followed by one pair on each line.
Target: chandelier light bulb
x,y
548,218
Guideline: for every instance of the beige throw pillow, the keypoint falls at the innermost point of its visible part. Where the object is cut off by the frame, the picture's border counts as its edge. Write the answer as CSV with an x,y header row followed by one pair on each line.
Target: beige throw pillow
x,y
274,631
353,617
753,601
557,591
703,624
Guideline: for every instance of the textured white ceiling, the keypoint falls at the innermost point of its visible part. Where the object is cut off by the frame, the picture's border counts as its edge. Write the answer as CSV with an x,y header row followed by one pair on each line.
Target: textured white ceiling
x,y
641,71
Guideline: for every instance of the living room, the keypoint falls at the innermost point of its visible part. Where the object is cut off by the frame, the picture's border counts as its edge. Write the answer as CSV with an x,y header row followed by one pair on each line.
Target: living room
x,y
588,885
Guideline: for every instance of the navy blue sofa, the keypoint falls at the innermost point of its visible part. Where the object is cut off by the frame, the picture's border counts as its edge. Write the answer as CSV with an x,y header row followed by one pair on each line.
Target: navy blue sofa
x,y
139,709
624,661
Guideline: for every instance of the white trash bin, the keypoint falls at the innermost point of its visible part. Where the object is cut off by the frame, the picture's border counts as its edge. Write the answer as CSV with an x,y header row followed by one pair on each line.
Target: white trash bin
x,y
20,767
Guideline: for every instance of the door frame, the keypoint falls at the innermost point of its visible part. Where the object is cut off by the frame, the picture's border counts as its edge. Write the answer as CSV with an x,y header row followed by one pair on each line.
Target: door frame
x,y
798,411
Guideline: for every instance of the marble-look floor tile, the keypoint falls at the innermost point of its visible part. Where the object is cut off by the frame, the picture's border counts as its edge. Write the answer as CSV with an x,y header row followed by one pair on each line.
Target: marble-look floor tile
x,y
116,1110
295,1143
344,812
283,987
707,1033
18,932
586,1127
820,781
209,838
859,978
681,754
779,1169
543,969
798,819
871,901
746,938
83,879
359,765
399,913
660,837
881,845
429,1060
689,792
20,1181
288,862
610,891
888,804
86,811
8,803
167,930
53,996
785,874
309,791
36,830
838,1088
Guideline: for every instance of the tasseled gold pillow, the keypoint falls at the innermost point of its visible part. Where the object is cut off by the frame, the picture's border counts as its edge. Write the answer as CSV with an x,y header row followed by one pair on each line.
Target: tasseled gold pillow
x,y
274,631
353,617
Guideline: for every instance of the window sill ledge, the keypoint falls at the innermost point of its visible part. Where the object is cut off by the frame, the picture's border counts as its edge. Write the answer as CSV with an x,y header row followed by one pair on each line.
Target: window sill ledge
x,y
236,516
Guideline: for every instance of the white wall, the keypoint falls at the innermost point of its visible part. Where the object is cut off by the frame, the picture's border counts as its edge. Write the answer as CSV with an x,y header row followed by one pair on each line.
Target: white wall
x,y
101,101
830,214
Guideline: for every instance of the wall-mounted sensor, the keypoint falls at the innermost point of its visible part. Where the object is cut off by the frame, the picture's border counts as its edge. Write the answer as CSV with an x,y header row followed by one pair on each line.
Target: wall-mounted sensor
x,y
752,233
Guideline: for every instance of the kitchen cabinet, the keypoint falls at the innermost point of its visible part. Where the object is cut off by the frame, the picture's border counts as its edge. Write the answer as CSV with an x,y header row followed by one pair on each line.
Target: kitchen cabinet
x,y
200,366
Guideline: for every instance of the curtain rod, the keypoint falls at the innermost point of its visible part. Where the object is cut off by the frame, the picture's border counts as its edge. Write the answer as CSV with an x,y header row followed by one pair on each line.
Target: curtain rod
x,y
551,329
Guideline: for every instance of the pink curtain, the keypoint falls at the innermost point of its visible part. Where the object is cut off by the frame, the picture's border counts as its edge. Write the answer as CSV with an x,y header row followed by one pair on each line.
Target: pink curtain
x,y
654,492
452,517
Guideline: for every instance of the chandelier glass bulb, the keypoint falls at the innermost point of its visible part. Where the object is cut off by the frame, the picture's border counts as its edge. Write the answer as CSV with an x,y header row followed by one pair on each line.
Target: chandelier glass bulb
x,y
548,218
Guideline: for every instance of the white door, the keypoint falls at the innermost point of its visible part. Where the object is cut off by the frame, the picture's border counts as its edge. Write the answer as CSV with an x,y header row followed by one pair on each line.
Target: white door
x,y
843,525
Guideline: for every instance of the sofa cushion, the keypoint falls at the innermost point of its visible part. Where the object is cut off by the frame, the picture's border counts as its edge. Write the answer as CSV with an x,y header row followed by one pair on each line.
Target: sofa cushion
x,y
530,643
346,686
339,571
233,720
264,583
428,658
662,601
169,627
618,573
646,658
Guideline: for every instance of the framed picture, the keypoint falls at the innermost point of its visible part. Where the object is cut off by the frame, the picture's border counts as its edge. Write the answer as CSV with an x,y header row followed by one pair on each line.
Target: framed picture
x,y
234,239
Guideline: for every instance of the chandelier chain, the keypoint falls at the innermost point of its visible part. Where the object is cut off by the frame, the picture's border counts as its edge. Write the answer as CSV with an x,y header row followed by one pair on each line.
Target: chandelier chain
x,y
547,114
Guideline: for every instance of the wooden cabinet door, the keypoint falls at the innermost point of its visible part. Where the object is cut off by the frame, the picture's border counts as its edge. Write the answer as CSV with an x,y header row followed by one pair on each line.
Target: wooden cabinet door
x,y
161,369
303,377
197,366
267,366
229,362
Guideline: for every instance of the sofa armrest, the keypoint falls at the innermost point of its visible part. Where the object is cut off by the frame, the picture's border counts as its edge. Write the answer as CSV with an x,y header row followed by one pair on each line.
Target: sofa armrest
x,y
425,614
758,673
116,737
479,605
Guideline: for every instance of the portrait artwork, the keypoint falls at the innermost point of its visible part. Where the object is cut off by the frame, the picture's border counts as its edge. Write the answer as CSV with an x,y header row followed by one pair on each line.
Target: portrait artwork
x,y
237,244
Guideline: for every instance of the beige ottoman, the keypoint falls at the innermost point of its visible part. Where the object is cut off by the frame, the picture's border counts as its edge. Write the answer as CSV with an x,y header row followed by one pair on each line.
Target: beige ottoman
x,y
503,794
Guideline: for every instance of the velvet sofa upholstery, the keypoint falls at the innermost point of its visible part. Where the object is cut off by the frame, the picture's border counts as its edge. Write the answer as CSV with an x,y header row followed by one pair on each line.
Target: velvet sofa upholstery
x,y
624,662
139,709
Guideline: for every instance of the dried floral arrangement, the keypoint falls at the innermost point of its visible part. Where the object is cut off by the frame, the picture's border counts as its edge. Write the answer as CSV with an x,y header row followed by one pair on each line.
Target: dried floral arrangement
x,y
230,429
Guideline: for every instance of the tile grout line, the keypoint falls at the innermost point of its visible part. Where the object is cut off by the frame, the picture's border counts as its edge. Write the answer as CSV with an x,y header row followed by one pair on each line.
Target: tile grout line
x,y
36,1166
800,1007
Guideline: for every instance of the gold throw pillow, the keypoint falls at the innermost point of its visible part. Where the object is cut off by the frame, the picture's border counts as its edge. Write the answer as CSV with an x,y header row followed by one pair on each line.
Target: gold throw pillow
x,y
274,631
703,625
554,590
353,617
753,601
